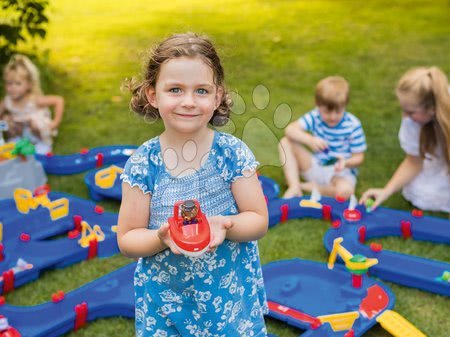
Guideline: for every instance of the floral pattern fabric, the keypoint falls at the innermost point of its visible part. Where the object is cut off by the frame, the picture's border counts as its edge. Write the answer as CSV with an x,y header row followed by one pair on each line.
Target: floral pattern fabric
x,y
219,294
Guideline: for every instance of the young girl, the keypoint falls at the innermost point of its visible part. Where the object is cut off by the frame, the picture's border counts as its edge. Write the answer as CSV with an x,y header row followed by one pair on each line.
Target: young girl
x,y
220,293
25,108
424,135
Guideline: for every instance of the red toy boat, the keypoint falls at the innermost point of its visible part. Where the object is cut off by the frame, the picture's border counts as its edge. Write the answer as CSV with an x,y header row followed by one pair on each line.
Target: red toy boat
x,y
189,228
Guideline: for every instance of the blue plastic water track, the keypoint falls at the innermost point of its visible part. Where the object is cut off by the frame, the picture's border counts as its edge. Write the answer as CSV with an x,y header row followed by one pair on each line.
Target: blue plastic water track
x,y
89,159
33,242
301,291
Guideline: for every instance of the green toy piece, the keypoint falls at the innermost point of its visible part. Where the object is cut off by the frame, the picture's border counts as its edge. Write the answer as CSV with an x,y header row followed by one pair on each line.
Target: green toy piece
x,y
331,161
358,258
23,148
446,276
369,203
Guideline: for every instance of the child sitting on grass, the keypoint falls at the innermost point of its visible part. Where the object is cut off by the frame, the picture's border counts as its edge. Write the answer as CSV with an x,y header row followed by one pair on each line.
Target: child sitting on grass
x,y
25,108
423,175
325,146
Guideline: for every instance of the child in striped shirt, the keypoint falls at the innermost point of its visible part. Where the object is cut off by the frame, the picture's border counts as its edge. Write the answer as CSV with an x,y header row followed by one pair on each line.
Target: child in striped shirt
x,y
325,146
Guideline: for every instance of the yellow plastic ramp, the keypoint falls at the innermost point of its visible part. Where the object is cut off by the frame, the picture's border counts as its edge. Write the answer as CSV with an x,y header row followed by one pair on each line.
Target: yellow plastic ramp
x,y
398,326
341,321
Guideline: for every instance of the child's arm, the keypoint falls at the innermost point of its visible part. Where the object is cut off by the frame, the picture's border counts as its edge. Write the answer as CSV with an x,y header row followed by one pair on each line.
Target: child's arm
x,y
409,168
295,133
57,102
133,236
354,161
252,221
2,108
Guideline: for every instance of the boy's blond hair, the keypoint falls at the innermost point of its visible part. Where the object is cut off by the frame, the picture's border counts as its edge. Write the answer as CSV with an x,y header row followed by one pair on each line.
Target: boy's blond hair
x,y
332,92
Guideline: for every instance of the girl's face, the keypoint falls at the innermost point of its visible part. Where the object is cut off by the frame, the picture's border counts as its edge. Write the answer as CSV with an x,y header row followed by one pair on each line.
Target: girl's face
x,y
17,85
185,94
414,110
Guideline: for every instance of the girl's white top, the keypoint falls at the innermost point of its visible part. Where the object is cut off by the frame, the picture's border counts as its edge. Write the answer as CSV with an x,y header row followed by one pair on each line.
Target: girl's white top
x,y
41,118
29,110
430,190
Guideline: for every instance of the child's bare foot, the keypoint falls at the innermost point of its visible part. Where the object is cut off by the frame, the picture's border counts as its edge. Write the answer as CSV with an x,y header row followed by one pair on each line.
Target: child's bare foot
x,y
293,191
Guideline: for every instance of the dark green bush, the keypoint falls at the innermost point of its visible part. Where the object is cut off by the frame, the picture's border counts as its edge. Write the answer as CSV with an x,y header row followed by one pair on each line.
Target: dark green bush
x,y
20,21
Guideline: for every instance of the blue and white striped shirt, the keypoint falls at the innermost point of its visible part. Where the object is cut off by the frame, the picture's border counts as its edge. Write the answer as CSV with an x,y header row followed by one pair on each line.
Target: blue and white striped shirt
x,y
344,139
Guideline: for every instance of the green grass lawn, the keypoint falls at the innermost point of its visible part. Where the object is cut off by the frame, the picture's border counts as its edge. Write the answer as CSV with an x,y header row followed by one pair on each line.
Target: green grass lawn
x,y
286,46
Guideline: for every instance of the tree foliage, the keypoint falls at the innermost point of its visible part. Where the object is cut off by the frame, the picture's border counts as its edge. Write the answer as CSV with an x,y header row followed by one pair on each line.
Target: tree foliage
x,y
20,21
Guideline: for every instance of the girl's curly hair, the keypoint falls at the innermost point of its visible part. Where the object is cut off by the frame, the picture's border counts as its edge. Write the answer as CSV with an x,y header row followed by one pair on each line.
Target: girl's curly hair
x,y
179,45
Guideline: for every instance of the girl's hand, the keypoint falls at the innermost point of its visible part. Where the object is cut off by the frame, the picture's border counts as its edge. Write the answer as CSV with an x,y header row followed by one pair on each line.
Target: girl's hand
x,y
340,164
377,194
53,125
219,226
164,236
317,144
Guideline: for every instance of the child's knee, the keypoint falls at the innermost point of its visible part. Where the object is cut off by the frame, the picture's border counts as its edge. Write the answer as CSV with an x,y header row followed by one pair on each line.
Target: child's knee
x,y
344,189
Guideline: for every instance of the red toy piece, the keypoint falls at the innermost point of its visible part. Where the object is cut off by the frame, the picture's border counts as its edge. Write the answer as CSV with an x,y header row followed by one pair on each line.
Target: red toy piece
x,y
81,313
93,249
99,209
189,229
284,212
73,234
352,215
356,281
405,228
313,322
25,237
336,223
77,222
375,302
340,199
417,213
8,281
350,333
6,330
58,296
376,247
362,234
99,160
326,212
41,190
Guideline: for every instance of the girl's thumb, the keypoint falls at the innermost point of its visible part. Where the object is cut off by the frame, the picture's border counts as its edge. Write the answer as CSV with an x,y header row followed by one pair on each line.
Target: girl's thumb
x,y
163,229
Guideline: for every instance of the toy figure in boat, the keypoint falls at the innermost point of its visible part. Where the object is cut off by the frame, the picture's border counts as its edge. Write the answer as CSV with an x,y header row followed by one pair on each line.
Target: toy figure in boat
x,y
189,228
189,211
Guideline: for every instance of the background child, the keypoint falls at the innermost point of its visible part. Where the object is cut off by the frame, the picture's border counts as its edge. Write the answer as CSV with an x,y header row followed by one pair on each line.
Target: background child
x,y
220,293
25,108
336,139
424,135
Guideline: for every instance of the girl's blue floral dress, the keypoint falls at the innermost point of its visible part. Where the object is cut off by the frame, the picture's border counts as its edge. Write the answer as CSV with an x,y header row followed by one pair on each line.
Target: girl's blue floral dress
x,y
219,294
